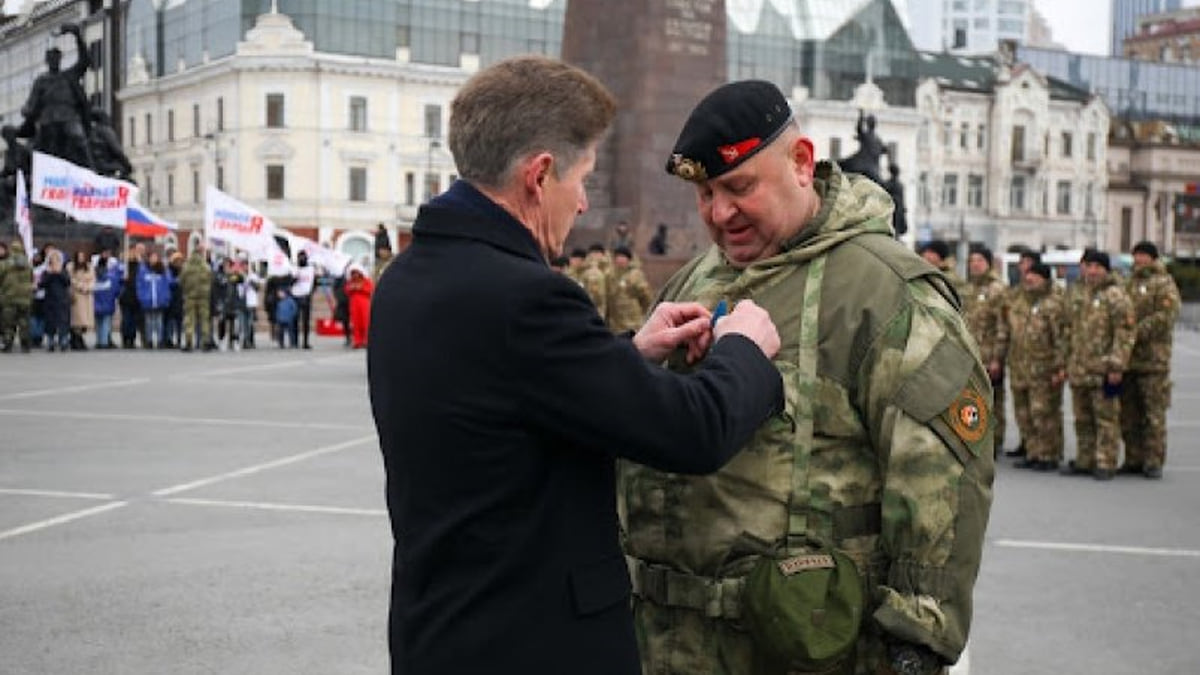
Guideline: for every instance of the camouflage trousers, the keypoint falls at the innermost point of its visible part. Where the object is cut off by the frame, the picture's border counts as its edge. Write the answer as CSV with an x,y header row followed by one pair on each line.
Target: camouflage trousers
x,y
1039,414
1097,427
682,641
193,311
14,324
1144,404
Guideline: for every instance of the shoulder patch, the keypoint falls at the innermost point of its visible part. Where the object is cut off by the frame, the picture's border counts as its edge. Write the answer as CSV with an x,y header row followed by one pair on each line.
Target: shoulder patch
x,y
968,416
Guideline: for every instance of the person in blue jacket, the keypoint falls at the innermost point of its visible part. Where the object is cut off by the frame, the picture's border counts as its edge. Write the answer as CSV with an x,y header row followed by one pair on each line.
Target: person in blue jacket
x,y
104,297
154,294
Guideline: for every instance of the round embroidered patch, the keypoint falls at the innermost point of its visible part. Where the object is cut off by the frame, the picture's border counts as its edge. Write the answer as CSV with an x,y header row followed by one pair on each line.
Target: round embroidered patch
x,y
969,416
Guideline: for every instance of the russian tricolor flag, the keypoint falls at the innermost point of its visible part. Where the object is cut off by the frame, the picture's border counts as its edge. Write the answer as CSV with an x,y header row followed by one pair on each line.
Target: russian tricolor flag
x,y
139,222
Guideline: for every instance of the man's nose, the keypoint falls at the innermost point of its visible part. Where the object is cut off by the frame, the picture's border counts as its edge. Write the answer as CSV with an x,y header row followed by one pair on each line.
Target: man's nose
x,y
723,208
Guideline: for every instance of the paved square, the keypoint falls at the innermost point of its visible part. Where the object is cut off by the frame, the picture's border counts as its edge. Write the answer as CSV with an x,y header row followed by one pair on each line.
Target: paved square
x,y
224,513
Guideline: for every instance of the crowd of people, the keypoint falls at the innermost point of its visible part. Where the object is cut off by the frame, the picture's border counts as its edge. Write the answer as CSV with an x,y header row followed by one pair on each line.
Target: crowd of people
x,y
1107,336
152,299
613,280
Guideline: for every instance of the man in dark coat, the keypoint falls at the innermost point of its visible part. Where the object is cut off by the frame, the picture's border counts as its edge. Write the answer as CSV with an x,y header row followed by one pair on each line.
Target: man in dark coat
x,y
502,400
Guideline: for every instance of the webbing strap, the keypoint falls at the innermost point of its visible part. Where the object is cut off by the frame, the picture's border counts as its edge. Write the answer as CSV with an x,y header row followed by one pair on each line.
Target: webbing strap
x,y
806,380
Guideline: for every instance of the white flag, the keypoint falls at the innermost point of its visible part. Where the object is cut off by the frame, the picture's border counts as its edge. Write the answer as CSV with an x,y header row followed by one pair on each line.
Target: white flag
x,y
78,192
334,262
21,214
237,225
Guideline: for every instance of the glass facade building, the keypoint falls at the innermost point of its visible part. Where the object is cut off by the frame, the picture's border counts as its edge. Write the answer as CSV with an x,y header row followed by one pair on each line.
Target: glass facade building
x,y
828,46
1132,89
1125,14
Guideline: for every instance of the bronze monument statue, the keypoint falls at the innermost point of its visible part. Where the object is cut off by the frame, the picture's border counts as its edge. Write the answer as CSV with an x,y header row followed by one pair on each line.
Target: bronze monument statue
x,y
895,190
57,112
865,160
107,153
16,156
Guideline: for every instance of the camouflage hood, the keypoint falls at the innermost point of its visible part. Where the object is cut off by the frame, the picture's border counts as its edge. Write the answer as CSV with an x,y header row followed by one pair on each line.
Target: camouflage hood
x,y
1154,269
16,255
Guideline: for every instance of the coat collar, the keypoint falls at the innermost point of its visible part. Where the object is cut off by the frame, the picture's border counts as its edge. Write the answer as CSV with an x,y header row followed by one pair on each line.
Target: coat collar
x,y
466,213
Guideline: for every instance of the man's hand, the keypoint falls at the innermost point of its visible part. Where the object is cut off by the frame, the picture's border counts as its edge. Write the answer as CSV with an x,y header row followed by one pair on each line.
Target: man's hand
x,y
674,324
753,322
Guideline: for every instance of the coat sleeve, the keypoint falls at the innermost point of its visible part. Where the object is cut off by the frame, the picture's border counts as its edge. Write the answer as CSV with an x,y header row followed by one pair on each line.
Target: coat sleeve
x,y
927,399
596,391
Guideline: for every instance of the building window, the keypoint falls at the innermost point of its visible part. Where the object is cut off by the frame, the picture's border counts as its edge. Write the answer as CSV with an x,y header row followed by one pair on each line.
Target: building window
x,y
358,184
1016,194
274,111
195,120
835,147
975,191
132,131
469,43
358,113
170,125
220,114
1066,144
947,134
923,190
960,34
950,189
195,187
170,189
274,181
963,134
1064,197
149,129
1126,227
893,153
410,188
1018,143
1091,145
433,120
981,137
432,185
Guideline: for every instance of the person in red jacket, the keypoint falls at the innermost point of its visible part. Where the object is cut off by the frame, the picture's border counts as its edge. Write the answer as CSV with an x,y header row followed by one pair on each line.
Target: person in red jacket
x,y
358,290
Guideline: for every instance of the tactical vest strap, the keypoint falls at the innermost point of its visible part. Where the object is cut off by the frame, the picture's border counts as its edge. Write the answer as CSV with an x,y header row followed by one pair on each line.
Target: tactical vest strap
x,y
716,598
806,378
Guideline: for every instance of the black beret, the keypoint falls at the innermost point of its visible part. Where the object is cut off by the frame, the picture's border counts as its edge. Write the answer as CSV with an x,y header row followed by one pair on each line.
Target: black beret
x,y
1033,255
1042,270
578,253
596,248
983,251
623,250
1098,257
1146,247
728,127
941,248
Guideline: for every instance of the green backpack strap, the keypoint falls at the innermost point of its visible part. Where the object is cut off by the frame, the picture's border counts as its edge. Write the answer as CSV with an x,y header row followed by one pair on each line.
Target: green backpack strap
x,y
806,380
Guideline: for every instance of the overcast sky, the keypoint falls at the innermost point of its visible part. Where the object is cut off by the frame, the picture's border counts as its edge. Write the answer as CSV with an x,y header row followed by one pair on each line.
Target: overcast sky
x,y
1079,25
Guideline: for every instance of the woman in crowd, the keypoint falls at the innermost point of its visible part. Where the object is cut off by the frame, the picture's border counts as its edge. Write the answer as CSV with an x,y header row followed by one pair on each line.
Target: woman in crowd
x,y
250,288
173,317
104,298
359,289
83,284
154,294
56,304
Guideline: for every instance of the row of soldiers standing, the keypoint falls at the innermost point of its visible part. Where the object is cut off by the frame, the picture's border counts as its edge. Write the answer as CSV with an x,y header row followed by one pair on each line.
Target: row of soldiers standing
x,y
615,283
1109,337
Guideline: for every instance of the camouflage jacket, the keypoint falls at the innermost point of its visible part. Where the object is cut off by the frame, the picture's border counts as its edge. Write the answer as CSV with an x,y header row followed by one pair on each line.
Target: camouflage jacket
x,y
593,281
1039,338
1102,333
984,307
16,278
1156,306
899,467
195,282
629,298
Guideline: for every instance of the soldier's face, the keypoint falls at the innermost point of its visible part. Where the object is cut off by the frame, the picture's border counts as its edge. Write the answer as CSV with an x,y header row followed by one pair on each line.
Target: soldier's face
x,y
753,209
1093,272
978,264
1141,260
1033,281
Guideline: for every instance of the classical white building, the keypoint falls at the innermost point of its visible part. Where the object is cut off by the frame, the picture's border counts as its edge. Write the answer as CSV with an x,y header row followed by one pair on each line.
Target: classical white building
x,y
327,145
1007,156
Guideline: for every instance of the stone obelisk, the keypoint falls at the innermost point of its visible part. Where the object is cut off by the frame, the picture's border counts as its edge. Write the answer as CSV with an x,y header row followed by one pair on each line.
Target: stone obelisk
x,y
659,58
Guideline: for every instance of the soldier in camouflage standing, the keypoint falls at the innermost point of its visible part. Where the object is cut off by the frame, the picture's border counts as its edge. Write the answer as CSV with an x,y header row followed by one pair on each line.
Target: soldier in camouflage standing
x,y
16,296
593,278
1027,259
629,294
196,283
884,452
937,253
985,311
1147,390
1102,335
1037,366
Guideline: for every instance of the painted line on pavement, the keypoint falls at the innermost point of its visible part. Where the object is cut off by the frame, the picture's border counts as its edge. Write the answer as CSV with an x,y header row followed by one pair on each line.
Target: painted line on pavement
x,y
1097,548
72,390
269,506
239,369
60,520
234,381
274,464
55,493
58,414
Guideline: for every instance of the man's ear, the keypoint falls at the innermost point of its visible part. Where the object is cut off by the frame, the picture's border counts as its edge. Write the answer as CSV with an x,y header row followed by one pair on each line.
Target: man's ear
x,y
803,159
535,171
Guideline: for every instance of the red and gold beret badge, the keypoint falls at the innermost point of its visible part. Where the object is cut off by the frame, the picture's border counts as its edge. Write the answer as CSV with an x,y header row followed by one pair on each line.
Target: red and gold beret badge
x,y
688,169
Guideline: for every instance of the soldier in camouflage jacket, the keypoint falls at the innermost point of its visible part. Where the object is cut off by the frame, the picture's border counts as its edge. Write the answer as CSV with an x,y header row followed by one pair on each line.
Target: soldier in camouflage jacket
x,y
984,298
1147,390
887,423
1102,335
1037,366
629,294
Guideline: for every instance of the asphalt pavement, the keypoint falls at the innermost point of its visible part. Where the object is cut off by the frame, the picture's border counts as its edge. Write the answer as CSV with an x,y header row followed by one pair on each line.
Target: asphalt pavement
x,y
223,513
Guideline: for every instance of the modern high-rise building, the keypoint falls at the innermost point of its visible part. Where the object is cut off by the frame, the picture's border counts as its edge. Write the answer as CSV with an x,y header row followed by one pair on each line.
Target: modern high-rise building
x,y
1125,14
968,26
